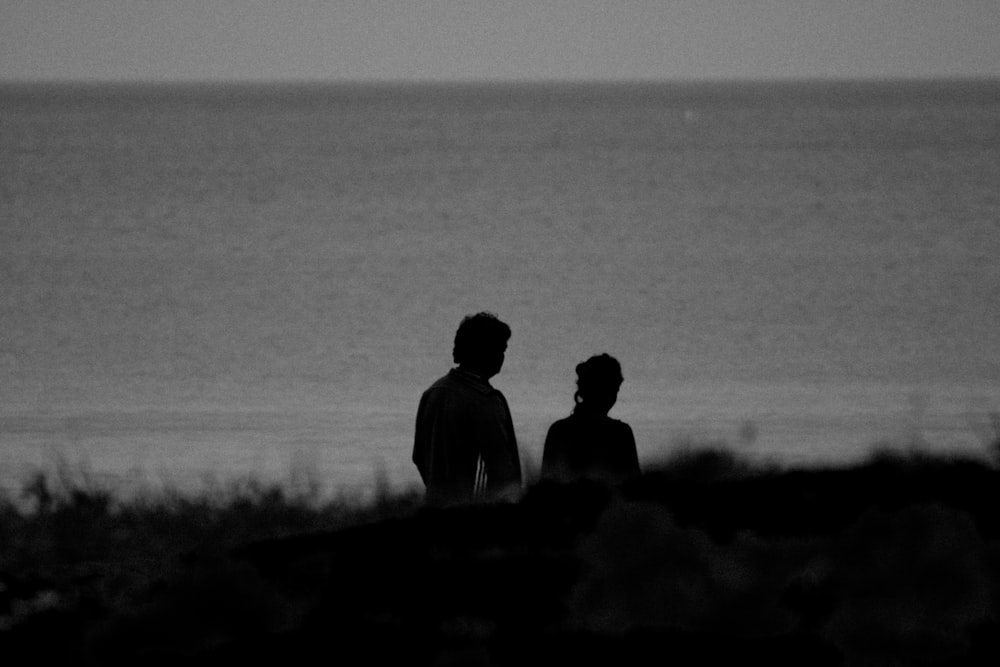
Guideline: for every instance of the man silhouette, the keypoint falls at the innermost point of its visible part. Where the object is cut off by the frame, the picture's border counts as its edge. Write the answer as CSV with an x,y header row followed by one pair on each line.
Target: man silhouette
x,y
464,446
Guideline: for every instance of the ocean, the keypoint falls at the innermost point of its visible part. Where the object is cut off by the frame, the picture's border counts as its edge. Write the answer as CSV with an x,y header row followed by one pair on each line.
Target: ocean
x,y
206,282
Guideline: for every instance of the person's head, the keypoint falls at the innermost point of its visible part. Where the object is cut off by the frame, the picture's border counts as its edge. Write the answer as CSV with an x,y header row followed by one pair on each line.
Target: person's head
x,y
598,380
480,344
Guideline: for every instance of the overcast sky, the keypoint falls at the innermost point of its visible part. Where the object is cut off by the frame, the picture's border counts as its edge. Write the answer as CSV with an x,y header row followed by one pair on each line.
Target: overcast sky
x,y
496,39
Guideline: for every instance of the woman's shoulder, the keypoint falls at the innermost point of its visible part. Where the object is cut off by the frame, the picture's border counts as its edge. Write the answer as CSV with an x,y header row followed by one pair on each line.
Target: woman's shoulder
x,y
561,425
619,430
619,424
589,423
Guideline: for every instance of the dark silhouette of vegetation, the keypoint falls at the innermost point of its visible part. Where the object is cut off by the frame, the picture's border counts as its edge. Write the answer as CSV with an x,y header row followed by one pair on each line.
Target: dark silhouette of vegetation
x,y
702,558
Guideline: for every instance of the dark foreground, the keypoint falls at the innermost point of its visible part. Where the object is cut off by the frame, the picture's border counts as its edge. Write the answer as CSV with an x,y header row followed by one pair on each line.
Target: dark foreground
x,y
701,562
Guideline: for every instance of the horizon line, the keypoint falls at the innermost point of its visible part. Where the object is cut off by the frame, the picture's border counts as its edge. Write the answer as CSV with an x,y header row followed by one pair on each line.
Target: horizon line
x,y
500,82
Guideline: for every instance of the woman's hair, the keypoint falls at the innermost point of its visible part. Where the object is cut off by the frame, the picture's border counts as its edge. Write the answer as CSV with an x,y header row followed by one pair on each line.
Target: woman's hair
x,y
478,334
601,371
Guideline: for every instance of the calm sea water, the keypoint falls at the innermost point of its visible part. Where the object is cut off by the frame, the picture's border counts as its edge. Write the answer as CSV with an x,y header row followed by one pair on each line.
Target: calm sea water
x,y
261,280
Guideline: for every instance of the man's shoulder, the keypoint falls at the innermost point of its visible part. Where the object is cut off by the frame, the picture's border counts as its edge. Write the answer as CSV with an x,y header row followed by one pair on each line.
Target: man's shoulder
x,y
455,386
458,381
438,389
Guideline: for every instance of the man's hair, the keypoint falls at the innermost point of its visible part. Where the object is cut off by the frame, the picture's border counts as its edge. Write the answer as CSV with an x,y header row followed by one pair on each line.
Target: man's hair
x,y
477,333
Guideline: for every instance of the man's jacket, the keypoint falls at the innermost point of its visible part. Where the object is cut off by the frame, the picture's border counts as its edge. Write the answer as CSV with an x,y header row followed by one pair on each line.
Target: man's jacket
x,y
464,445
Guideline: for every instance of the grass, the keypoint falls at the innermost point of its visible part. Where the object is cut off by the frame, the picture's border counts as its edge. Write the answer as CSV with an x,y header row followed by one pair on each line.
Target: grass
x,y
69,543
896,556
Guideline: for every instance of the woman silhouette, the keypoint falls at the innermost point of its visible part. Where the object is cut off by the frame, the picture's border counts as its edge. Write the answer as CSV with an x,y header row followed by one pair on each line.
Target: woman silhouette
x,y
589,444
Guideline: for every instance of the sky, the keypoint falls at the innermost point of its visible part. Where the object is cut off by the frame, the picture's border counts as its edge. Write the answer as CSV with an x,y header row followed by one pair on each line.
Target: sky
x,y
451,40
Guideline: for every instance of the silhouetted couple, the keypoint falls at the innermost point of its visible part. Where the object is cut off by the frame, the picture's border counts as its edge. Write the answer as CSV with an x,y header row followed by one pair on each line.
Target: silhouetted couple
x,y
465,448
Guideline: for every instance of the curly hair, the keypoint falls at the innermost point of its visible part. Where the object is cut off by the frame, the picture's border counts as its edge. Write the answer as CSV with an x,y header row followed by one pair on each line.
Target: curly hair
x,y
476,333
